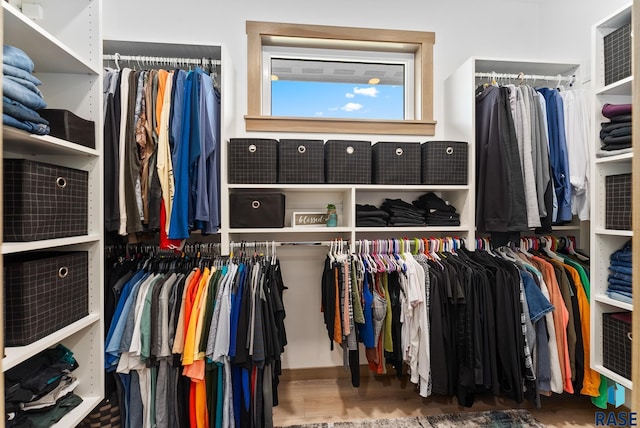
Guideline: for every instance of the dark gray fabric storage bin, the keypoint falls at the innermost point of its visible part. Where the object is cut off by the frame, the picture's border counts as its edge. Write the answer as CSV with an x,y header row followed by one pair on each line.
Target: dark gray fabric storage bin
x,y
617,55
444,162
66,125
300,161
256,209
43,201
616,342
253,161
618,202
43,292
396,163
347,162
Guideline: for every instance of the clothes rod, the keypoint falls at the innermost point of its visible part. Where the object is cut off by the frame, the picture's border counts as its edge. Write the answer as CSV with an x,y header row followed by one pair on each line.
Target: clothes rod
x,y
285,243
522,76
161,59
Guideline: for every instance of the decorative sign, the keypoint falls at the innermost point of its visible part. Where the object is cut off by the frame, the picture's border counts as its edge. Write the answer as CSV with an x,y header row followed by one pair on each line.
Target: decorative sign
x,y
309,219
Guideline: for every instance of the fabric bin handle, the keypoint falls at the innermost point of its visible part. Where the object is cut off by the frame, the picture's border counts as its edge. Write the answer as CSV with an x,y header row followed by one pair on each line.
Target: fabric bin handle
x,y
399,151
252,148
449,150
61,182
63,272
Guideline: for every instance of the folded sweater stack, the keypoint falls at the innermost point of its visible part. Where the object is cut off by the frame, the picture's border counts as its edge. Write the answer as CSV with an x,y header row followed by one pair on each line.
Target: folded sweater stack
x,y
437,211
616,134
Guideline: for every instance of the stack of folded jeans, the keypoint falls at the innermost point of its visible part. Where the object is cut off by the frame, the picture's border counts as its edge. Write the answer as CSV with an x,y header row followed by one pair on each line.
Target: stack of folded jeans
x,y
620,275
403,214
20,94
370,216
616,134
438,211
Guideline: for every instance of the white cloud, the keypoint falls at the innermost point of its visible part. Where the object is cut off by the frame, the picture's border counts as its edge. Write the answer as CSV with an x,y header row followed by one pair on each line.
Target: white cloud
x,y
319,113
371,91
349,95
352,107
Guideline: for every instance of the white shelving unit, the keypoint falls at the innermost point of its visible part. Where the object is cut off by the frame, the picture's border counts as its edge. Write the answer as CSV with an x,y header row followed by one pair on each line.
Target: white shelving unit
x,y
311,197
605,241
65,48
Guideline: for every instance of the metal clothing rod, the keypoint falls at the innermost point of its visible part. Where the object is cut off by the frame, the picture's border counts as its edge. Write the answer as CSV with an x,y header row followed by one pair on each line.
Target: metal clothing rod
x,y
144,59
283,243
522,76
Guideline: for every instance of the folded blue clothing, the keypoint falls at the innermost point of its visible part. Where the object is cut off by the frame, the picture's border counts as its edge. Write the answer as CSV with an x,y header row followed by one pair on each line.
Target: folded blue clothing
x,y
622,256
620,297
620,263
620,276
23,95
614,283
623,291
26,83
10,70
20,112
34,128
17,57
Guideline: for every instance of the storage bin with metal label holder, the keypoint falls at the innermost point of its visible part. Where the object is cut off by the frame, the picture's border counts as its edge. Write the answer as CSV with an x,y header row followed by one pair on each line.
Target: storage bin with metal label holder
x,y
616,342
256,210
618,202
445,162
43,292
617,54
396,163
347,162
253,161
43,201
300,161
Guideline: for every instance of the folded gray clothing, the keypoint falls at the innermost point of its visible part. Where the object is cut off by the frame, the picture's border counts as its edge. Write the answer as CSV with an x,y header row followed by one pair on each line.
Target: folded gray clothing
x,y
443,223
370,222
614,125
616,148
621,118
618,132
607,153
401,224
624,139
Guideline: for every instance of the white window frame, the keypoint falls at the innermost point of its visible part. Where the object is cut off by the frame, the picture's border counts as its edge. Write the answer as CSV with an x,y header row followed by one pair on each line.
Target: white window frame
x,y
336,55
419,44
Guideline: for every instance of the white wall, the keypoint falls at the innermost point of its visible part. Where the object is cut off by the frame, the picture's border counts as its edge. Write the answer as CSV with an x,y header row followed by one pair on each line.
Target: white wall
x,y
519,29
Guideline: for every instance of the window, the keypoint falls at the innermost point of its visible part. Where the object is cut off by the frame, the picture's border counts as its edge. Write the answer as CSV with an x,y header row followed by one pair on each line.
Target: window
x,y
339,80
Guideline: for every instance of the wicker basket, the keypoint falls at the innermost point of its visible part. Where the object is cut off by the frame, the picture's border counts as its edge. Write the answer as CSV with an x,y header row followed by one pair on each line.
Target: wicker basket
x,y
43,201
105,415
445,162
348,162
301,161
396,163
253,161
618,202
43,293
617,55
616,342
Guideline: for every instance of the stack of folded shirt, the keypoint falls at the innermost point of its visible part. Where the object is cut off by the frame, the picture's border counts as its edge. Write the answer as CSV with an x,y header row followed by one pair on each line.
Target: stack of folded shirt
x,y
620,275
403,214
20,94
39,391
438,211
616,134
370,216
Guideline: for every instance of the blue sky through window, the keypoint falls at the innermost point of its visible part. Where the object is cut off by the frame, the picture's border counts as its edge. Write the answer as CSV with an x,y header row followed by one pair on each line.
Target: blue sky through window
x,y
336,100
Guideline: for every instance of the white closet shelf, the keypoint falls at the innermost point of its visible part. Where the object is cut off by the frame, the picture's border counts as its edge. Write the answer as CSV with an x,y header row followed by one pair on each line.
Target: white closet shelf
x,y
614,232
20,142
16,355
625,157
373,187
75,416
321,229
621,87
603,298
612,375
19,247
48,53
565,227
420,229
